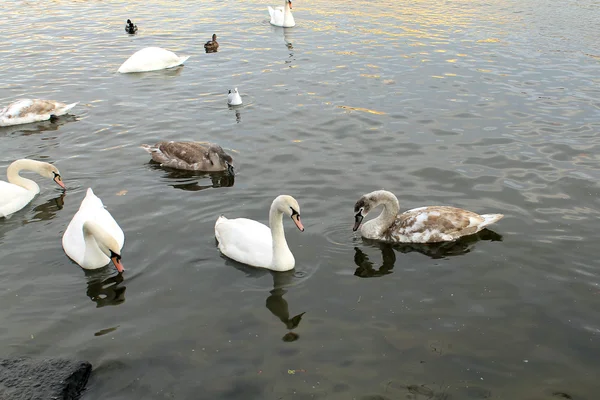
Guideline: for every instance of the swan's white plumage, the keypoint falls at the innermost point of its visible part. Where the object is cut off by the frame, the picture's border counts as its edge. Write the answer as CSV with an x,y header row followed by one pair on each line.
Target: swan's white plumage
x,y
245,240
19,191
151,59
25,111
282,15
73,241
14,197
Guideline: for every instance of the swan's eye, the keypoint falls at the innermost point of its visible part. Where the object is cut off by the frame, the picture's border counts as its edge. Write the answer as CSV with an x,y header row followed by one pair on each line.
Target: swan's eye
x,y
294,212
115,255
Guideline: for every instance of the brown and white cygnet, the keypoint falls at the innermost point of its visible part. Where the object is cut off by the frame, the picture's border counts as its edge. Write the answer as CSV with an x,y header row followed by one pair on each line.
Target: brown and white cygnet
x,y
420,225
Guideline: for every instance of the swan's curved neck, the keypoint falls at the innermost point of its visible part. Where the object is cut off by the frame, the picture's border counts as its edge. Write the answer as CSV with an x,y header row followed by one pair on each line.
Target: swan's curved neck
x,y
391,207
281,251
94,235
12,173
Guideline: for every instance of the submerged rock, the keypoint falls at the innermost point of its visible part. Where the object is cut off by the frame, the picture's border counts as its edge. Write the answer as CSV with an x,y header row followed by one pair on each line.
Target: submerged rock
x,y
31,379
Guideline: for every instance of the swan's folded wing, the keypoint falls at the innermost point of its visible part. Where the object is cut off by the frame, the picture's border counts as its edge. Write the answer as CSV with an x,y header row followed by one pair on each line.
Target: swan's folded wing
x,y
188,152
246,241
435,224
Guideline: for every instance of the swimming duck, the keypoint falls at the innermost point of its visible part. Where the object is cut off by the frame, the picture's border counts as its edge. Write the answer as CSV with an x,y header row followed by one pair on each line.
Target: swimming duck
x,y
255,244
282,15
191,156
130,27
18,191
420,225
211,46
93,238
151,59
25,111
234,98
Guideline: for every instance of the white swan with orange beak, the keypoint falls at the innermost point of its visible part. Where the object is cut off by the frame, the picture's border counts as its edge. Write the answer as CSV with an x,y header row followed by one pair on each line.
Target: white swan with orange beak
x,y
282,15
252,243
93,238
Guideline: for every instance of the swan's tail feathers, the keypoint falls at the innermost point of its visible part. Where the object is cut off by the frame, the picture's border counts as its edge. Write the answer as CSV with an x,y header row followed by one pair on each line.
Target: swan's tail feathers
x,y
489,219
183,59
220,220
271,11
68,108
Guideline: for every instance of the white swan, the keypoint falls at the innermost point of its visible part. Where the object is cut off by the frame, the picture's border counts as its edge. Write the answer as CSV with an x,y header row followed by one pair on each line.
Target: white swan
x,y
282,16
420,225
93,238
252,243
18,191
151,59
234,98
25,111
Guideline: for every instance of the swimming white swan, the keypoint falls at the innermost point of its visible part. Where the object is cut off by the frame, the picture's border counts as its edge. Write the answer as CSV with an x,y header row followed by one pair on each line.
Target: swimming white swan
x,y
252,243
93,238
191,156
18,191
25,111
151,59
234,98
282,15
420,225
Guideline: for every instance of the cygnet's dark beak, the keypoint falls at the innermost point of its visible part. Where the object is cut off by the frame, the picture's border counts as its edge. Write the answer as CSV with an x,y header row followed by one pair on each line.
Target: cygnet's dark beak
x,y
357,221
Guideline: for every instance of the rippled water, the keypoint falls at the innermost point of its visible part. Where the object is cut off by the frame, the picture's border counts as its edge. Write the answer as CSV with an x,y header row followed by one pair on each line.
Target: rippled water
x,y
491,106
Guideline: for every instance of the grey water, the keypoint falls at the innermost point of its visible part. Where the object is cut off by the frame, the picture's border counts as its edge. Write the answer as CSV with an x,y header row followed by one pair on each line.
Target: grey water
x,y
492,106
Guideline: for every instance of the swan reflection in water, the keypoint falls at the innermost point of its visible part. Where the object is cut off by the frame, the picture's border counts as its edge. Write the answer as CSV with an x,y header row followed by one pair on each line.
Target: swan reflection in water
x,y
188,180
103,289
275,303
434,250
47,210
34,128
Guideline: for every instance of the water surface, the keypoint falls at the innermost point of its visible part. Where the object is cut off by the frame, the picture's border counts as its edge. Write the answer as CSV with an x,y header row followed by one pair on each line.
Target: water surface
x,y
492,106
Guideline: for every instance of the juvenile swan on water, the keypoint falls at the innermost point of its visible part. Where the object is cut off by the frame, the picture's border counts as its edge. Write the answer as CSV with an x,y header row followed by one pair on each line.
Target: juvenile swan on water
x,y
191,156
93,237
252,243
282,15
25,111
18,191
420,225
151,59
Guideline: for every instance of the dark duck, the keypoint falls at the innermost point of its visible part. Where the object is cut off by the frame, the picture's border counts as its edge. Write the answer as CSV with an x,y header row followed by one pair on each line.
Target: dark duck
x,y
211,46
130,27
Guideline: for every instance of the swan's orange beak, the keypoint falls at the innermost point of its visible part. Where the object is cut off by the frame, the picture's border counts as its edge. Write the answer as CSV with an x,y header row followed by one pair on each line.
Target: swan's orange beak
x,y
59,181
117,261
290,3
296,219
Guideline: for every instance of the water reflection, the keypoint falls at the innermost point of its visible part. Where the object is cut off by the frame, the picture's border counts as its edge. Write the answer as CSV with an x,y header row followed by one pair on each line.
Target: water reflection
x,y
275,303
287,37
462,246
104,290
189,180
47,210
365,266
279,306
37,127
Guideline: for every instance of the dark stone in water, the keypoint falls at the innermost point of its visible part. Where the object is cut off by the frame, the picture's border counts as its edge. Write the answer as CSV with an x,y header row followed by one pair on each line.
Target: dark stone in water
x,y
60,379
